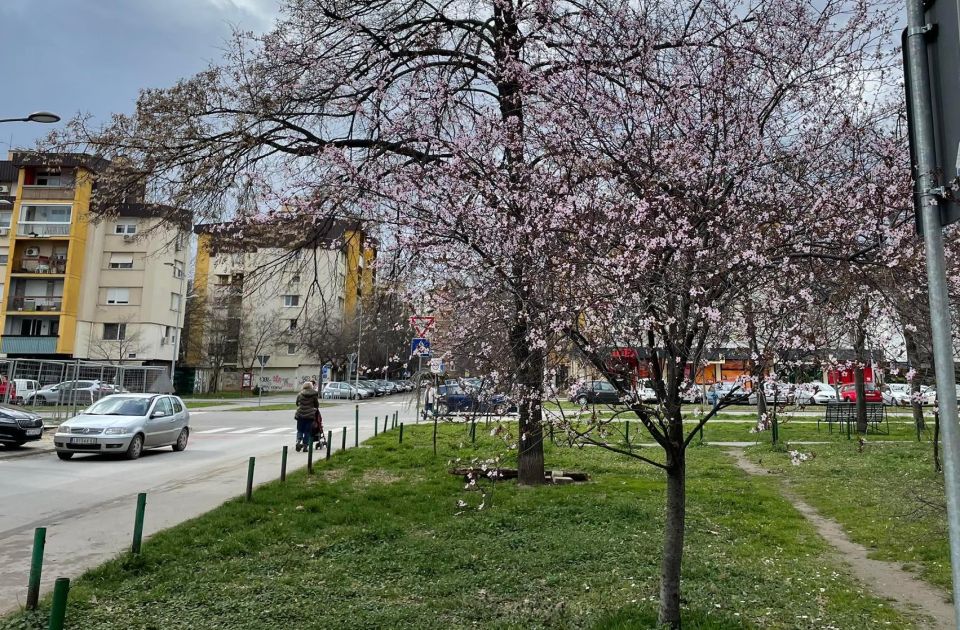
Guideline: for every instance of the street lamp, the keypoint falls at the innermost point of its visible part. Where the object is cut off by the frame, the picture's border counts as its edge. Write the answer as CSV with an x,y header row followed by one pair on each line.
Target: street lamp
x,y
37,117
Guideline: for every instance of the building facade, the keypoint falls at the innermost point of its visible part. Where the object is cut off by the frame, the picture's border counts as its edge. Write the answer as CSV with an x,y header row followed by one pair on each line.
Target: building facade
x,y
80,286
288,291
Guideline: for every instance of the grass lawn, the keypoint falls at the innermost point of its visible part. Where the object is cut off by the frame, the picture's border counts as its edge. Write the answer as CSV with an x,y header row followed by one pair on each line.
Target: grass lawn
x,y
200,404
891,486
376,540
217,395
275,407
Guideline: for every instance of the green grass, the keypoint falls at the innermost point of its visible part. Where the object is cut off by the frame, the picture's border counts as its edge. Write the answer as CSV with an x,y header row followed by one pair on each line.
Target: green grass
x,y
217,395
195,404
376,540
892,487
274,407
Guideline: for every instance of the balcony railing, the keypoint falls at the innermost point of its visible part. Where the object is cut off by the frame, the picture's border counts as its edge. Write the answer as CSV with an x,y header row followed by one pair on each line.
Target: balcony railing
x,y
42,228
35,304
40,265
18,344
46,193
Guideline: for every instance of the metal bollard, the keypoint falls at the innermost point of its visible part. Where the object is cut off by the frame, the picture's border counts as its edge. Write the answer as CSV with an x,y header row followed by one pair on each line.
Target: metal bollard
x,y
329,439
434,435
310,457
376,423
36,567
283,464
58,610
138,522
356,426
385,424
627,433
401,433
250,464
343,442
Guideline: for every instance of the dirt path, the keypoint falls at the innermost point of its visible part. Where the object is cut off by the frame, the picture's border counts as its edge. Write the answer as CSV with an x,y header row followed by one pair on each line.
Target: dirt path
x,y
885,579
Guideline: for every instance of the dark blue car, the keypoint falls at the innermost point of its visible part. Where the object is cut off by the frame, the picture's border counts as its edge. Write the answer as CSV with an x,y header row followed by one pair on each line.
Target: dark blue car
x,y
452,398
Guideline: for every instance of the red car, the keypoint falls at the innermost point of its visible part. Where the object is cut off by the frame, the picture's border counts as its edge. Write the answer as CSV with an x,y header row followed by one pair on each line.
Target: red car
x,y
848,393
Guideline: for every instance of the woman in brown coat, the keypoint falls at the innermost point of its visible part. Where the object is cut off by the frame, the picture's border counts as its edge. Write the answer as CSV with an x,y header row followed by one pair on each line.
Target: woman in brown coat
x,y
308,404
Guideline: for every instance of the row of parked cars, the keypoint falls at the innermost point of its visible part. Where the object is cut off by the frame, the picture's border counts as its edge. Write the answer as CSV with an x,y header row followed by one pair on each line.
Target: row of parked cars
x,y
816,393
23,391
365,388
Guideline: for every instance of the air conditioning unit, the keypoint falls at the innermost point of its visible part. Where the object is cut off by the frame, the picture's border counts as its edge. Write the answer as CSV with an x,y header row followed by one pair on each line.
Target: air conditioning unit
x,y
4,189
32,252
129,238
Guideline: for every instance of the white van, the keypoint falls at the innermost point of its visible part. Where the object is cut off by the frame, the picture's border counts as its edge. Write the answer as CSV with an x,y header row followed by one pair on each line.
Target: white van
x,y
24,389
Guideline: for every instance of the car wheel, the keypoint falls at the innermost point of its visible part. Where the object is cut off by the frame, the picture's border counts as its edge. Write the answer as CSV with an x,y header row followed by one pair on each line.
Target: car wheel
x,y
39,401
64,455
181,442
582,401
442,409
136,447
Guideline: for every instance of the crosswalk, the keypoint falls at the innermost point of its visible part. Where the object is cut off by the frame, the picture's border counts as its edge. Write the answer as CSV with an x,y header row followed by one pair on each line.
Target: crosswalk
x,y
257,431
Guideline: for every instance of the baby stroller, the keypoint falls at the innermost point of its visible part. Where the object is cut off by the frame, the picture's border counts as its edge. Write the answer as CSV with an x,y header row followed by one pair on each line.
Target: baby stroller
x,y
318,436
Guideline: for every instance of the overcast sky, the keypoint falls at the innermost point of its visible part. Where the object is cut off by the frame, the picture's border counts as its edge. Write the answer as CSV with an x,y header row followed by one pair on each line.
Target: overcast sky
x,y
71,56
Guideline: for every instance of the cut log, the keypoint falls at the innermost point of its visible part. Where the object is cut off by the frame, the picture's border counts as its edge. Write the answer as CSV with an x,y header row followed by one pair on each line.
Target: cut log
x,y
511,473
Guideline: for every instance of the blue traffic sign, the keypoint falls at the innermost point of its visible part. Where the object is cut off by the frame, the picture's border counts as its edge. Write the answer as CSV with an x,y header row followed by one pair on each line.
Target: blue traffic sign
x,y
420,347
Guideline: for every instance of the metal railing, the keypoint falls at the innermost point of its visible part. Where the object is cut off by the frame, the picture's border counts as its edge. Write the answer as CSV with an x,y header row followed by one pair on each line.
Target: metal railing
x,y
35,265
35,304
44,193
42,228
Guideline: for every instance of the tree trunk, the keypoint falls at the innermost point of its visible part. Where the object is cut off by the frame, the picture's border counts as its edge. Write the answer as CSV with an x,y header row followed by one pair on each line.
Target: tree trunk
x,y
530,364
913,358
860,388
674,527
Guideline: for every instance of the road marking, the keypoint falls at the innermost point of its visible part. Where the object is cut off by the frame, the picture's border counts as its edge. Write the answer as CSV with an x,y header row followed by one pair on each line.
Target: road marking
x,y
280,430
214,430
250,430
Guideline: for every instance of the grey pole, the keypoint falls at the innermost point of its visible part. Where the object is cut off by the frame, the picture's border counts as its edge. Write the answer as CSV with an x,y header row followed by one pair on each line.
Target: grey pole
x,y
359,331
922,122
178,327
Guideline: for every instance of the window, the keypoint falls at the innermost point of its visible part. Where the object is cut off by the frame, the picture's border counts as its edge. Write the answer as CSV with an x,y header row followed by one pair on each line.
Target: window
x,y
4,255
290,301
177,269
125,228
295,279
293,324
49,179
114,332
169,333
121,261
177,407
174,301
291,348
118,296
46,214
163,407
223,279
5,216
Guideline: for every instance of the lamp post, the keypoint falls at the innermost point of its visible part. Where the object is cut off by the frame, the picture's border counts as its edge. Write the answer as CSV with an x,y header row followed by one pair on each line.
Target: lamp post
x,y
37,117
176,327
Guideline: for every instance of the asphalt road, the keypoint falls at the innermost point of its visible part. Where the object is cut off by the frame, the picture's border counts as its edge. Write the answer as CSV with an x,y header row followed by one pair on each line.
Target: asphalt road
x,y
88,503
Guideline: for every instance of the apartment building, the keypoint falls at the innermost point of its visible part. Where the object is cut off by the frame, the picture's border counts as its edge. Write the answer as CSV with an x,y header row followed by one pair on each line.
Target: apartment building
x,y
77,286
265,289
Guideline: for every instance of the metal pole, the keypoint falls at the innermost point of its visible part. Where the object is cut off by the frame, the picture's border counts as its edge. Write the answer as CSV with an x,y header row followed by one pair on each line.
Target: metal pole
x,y
359,331
177,326
918,92
356,425
250,464
401,433
310,456
329,439
283,465
36,567
260,387
58,610
343,441
138,522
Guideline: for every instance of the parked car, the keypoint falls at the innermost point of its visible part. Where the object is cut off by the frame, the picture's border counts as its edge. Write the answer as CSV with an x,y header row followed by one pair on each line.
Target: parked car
x,y
773,393
645,391
718,391
453,398
340,389
388,386
82,392
7,387
403,385
17,426
816,393
593,392
125,424
23,388
848,393
929,395
896,394
374,386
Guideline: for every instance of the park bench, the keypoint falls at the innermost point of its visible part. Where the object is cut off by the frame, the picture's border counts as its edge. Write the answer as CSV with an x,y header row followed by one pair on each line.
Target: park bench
x,y
846,413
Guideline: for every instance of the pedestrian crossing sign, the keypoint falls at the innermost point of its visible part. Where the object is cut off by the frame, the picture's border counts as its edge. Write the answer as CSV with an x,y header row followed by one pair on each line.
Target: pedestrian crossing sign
x,y
420,347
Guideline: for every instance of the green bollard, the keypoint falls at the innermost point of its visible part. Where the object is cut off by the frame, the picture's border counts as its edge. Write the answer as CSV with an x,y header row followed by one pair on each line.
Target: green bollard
x,y
627,432
343,442
329,439
376,423
283,464
401,433
356,426
58,610
310,457
138,522
434,435
250,464
473,431
36,566
385,424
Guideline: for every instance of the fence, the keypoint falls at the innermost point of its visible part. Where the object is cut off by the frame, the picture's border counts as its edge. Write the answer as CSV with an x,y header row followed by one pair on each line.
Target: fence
x,y
65,387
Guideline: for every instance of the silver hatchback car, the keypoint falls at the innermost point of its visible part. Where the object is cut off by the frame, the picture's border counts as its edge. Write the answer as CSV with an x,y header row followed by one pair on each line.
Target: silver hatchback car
x,y
125,424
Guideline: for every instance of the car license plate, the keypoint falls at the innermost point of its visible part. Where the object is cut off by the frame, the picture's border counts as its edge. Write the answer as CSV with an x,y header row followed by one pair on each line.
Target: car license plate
x,y
78,440
33,432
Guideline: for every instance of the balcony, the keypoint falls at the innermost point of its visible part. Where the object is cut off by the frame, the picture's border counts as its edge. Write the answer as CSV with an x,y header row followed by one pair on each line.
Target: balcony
x,y
42,229
35,304
40,265
17,344
47,193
